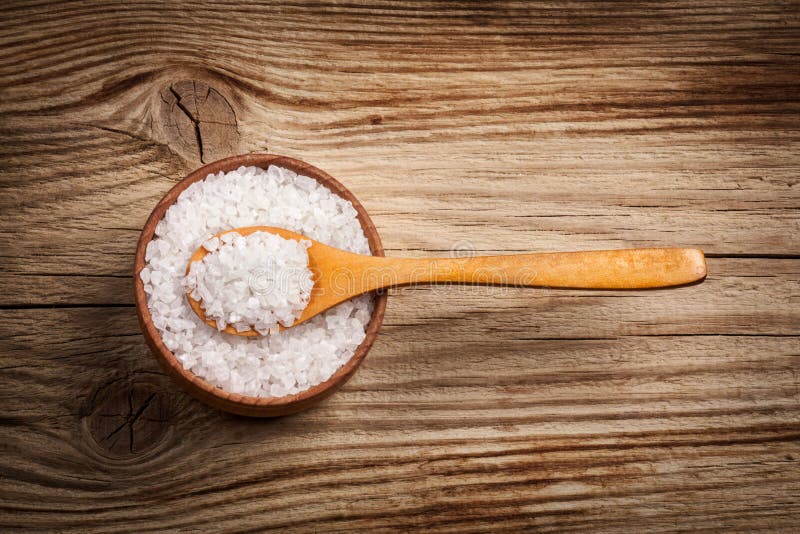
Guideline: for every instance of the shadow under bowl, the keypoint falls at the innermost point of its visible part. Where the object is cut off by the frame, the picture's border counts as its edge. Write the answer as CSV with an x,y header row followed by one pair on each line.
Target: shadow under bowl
x,y
196,386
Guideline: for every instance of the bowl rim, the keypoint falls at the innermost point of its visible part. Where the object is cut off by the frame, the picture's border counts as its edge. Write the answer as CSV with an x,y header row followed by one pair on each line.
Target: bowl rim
x,y
199,387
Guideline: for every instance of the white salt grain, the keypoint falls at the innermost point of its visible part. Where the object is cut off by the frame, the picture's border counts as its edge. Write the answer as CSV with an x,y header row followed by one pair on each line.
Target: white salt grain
x,y
281,363
254,281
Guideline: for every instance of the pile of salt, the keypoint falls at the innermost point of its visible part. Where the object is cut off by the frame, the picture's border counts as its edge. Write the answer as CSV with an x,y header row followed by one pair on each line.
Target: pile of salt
x,y
255,281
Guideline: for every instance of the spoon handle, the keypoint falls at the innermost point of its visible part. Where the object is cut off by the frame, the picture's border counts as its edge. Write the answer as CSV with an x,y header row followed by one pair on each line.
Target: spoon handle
x,y
600,269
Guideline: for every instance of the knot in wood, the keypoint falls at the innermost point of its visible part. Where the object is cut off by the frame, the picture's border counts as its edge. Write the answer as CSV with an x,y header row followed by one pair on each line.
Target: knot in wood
x,y
128,417
199,122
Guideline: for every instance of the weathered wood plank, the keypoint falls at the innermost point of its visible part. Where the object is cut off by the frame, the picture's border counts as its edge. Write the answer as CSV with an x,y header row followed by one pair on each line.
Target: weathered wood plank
x,y
463,128
740,297
518,429
58,226
668,146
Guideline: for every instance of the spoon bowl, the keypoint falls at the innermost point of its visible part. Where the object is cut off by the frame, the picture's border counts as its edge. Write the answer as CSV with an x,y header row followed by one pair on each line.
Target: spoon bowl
x,y
203,390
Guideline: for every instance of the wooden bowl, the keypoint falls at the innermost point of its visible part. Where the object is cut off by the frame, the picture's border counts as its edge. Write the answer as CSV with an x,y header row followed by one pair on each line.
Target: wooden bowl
x,y
196,386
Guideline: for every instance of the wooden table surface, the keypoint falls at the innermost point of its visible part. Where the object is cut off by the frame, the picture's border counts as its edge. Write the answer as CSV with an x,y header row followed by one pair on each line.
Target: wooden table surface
x,y
463,128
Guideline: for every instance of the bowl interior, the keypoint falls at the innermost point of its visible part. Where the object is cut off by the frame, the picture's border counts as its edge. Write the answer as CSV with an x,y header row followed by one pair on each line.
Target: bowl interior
x,y
233,402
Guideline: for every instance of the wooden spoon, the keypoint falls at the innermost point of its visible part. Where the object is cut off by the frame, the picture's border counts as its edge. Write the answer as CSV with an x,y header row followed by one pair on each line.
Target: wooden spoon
x,y
340,275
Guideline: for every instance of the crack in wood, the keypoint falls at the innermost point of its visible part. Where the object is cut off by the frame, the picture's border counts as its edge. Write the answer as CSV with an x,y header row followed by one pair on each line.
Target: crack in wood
x,y
195,119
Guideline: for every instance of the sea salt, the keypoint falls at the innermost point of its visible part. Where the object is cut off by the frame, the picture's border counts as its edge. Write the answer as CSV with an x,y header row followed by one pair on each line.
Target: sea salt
x,y
256,281
281,363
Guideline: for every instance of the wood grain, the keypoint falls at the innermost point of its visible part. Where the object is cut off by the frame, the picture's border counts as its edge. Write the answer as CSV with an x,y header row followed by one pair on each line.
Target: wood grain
x,y
463,129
